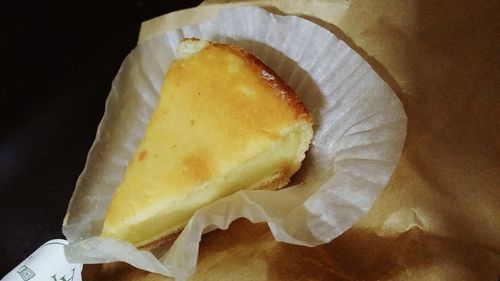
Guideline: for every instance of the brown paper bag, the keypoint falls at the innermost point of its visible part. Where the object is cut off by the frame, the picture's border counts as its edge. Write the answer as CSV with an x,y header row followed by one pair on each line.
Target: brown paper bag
x,y
439,216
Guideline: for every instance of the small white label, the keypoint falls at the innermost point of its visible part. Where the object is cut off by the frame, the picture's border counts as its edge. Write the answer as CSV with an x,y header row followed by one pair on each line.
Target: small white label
x,y
47,263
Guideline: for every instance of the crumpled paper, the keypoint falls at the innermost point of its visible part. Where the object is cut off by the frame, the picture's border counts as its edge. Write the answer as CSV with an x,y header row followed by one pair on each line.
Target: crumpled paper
x,y
359,133
48,262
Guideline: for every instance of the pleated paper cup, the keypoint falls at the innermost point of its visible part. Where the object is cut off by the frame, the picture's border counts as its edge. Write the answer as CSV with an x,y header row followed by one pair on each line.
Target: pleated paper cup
x,y
360,128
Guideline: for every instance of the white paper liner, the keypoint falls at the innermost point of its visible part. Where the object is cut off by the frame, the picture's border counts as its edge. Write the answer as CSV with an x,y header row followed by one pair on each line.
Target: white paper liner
x,y
360,128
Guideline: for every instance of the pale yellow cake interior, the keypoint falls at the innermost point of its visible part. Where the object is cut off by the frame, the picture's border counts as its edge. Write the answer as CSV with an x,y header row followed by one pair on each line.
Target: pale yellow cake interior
x,y
218,128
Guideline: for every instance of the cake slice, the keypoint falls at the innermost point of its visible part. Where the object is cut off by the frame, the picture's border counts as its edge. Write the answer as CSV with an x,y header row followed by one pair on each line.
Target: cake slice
x,y
224,122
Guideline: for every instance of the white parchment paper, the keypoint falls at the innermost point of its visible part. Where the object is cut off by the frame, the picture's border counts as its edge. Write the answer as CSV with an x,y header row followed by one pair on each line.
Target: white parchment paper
x,y
46,263
360,128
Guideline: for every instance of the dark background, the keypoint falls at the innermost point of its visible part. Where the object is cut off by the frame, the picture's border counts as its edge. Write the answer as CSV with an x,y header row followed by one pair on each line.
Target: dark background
x,y
58,61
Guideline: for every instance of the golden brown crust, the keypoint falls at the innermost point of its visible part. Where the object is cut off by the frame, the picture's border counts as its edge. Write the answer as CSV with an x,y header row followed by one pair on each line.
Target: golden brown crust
x,y
272,79
267,76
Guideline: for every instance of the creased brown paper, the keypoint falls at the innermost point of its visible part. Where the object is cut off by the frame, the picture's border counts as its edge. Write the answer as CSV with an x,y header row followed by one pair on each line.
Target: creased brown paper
x,y
438,218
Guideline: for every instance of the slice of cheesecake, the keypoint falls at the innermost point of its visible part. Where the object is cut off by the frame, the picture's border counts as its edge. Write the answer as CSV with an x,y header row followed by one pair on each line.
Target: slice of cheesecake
x,y
224,122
